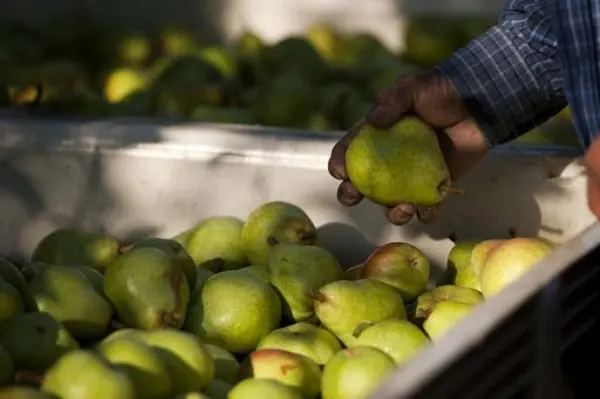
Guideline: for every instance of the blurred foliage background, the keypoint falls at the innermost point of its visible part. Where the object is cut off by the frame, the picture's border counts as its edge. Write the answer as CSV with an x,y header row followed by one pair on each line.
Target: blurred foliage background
x,y
323,80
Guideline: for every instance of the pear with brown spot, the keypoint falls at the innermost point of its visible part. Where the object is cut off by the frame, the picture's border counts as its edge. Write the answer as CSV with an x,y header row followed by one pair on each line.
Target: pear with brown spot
x,y
147,289
291,369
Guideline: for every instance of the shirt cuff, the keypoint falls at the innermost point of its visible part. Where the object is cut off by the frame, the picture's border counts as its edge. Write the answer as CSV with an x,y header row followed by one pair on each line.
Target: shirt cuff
x,y
507,85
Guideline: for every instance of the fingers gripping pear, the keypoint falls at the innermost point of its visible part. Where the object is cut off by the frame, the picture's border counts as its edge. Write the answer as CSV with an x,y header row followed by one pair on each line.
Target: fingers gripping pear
x,y
400,164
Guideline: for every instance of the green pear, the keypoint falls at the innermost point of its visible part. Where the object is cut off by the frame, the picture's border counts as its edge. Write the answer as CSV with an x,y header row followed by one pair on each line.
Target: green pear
x,y
459,269
192,395
235,311
295,54
399,339
342,305
401,265
188,361
316,343
226,365
355,272
7,367
291,369
36,340
94,276
510,260
22,392
68,296
124,82
427,301
272,223
83,374
444,316
258,271
263,388
178,254
355,373
480,253
142,364
12,275
11,303
147,290
286,100
296,272
76,247
400,164
122,333
218,389
216,243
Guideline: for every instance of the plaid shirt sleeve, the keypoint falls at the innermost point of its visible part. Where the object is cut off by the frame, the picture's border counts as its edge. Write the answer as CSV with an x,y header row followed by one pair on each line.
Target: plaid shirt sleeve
x,y
510,77
578,33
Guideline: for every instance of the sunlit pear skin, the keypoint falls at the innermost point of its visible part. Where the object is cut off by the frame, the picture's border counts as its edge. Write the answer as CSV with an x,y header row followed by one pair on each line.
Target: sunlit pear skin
x,y
400,164
511,260
444,316
342,305
306,339
480,253
459,269
426,302
355,373
263,388
399,339
289,368
401,265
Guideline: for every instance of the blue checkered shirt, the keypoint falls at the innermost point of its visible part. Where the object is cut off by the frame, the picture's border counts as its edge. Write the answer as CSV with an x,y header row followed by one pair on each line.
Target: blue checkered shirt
x,y
541,55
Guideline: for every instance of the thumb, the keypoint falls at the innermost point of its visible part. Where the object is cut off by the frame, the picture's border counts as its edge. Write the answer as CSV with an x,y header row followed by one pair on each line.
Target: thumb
x,y
393,103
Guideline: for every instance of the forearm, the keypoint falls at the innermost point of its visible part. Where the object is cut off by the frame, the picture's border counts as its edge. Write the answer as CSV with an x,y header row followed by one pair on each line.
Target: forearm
x,y
577,25
510,77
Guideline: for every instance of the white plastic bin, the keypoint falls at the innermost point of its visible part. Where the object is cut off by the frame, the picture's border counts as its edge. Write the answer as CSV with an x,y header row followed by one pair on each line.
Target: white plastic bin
x,y
135,177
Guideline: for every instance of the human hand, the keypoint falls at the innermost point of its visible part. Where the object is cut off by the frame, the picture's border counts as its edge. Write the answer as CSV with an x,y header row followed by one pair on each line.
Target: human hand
x,y
430,96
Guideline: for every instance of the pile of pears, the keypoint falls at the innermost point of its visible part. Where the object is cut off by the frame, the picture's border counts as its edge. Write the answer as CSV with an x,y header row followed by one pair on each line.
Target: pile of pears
x,y
322,80
232,309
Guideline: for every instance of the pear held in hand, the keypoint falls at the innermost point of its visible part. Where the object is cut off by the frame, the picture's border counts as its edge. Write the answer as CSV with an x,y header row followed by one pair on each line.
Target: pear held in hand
x,y
401,265
400,164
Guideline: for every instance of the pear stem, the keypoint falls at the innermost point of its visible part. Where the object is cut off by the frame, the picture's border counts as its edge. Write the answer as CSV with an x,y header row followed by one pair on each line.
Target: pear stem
x,y
31,378
445,187
455,190
512,232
